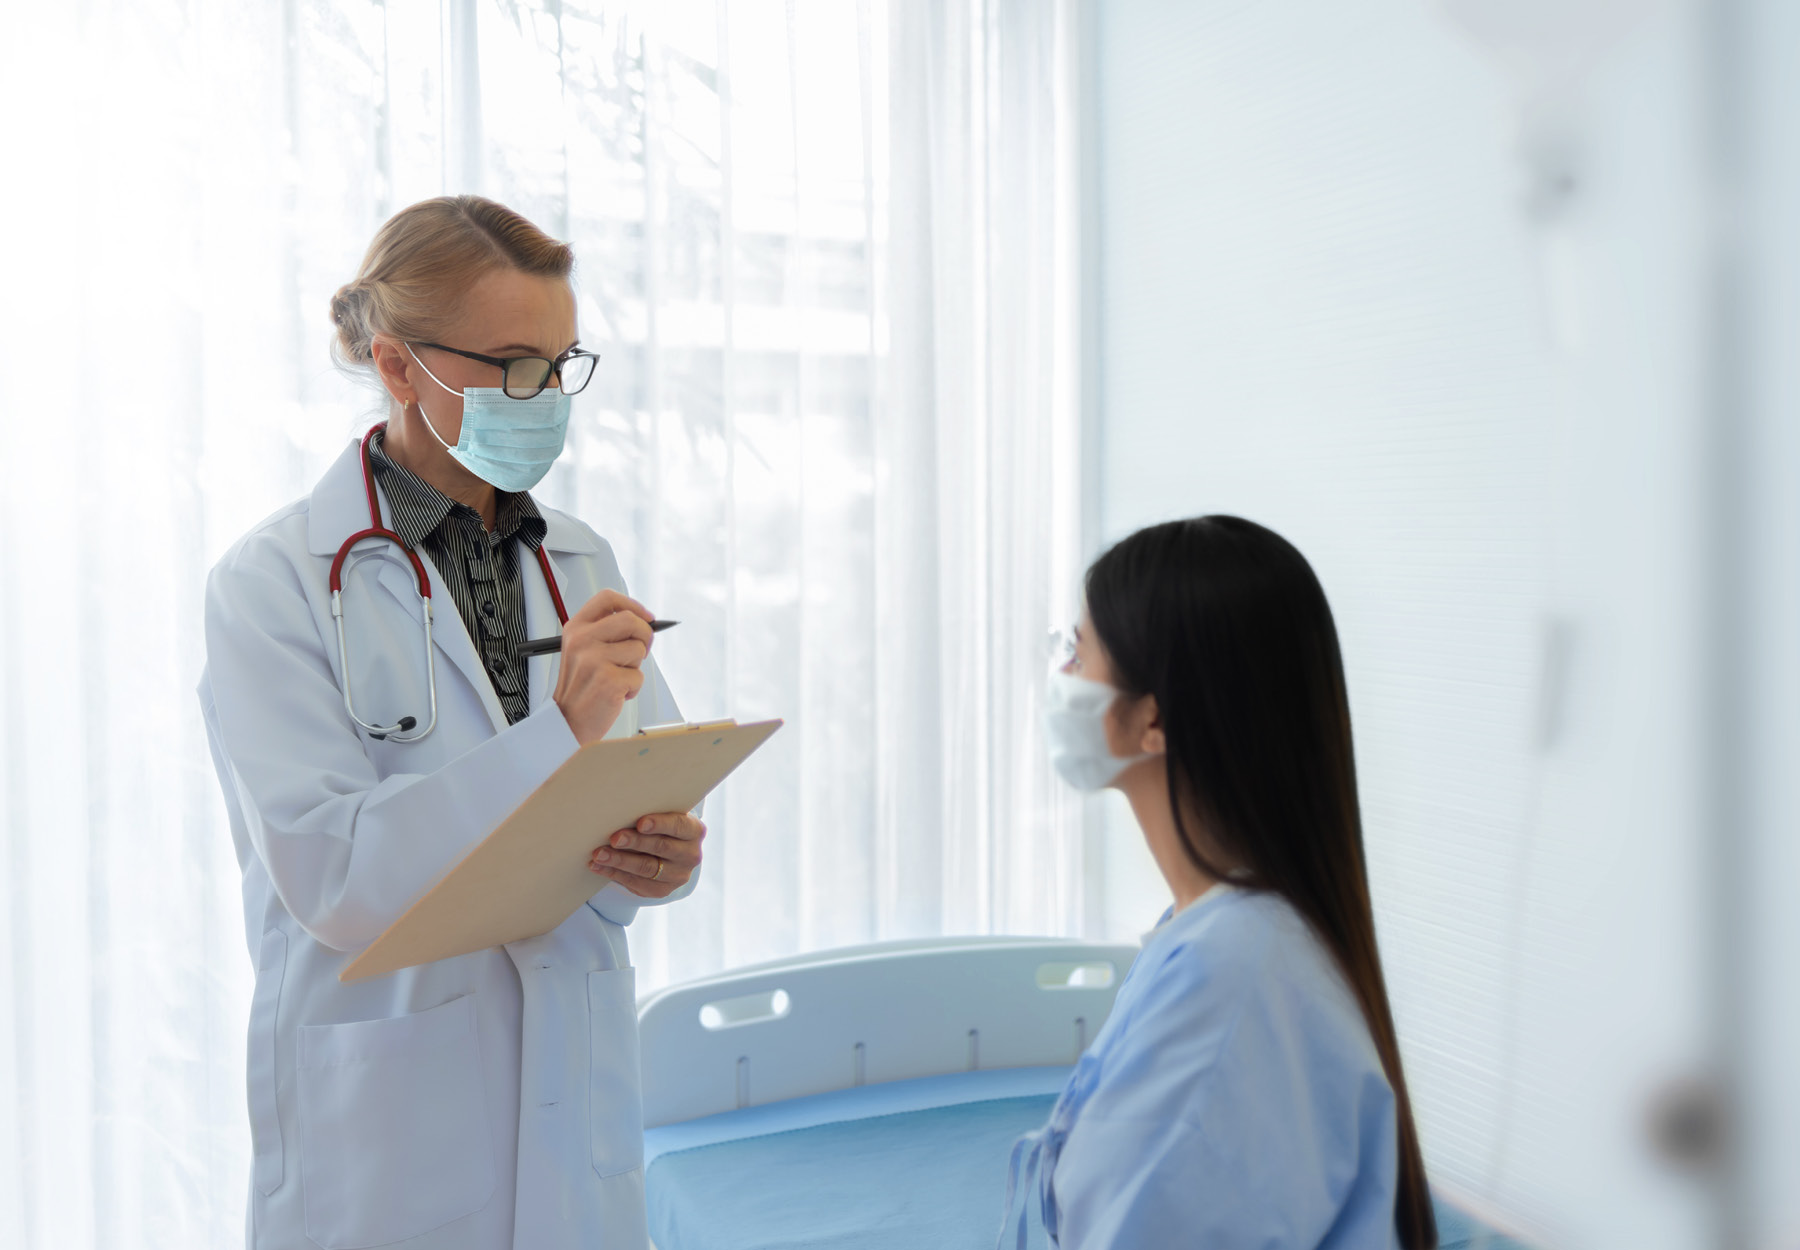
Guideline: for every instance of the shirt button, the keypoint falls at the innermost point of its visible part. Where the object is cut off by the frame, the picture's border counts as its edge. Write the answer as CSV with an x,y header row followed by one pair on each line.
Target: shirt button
x,y
488,609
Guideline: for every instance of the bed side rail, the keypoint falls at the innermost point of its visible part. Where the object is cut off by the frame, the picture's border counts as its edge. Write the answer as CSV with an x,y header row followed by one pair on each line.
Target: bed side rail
x,y
870,1014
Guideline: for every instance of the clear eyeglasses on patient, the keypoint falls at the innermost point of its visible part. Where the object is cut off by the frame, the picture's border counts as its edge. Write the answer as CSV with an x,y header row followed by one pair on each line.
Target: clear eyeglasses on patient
x,y
523,377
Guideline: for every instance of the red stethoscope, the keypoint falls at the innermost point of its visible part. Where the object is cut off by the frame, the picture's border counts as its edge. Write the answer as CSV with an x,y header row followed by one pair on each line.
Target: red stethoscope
x,y
399,731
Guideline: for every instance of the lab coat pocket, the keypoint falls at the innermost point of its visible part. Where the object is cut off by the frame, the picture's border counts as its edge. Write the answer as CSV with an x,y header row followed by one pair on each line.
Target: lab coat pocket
x,y
259,1063
394,1133
615,1096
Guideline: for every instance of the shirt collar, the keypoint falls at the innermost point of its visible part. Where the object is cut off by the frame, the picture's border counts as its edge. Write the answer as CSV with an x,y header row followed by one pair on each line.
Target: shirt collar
x,y
418,508
1218,889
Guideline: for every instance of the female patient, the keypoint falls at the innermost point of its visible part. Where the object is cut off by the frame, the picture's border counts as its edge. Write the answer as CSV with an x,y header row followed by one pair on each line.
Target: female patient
x,y
1246,1091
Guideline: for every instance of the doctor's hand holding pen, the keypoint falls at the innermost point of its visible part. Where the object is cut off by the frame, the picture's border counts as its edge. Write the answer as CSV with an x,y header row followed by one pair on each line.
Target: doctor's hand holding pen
x,y
603,650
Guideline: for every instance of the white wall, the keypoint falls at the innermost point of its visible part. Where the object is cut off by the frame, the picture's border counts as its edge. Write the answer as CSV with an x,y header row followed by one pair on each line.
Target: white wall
x,y
1323,307
1773,644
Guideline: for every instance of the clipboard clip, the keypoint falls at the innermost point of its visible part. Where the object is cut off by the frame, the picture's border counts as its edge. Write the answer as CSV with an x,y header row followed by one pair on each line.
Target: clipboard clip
x,y
684,727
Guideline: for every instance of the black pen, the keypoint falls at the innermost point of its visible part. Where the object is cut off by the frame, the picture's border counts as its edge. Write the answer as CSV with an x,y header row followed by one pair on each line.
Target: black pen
x,y
544,646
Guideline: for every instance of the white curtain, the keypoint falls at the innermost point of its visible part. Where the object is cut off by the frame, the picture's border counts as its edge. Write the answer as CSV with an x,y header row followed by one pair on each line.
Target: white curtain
x,y
826,249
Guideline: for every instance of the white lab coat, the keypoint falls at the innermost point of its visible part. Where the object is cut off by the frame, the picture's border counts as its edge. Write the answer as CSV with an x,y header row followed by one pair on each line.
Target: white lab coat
x,y
472,1104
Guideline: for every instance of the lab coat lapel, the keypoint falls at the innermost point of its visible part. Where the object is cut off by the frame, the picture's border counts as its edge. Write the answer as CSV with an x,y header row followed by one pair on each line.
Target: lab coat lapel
x,y
338,507
541,622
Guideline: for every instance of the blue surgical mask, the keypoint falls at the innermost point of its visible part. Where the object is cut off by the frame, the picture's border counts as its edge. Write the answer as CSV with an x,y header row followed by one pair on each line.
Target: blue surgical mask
x,y
508,443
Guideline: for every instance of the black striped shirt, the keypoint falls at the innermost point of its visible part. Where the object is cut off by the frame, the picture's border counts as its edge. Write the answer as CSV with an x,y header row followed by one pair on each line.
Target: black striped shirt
x,y
480,567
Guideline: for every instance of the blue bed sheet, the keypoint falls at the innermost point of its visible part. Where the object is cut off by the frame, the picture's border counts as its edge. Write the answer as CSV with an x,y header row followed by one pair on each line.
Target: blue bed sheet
x,y
910,1165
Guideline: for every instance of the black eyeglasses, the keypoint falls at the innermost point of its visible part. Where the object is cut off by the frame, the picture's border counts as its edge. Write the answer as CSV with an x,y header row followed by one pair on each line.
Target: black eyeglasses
x,y
521,377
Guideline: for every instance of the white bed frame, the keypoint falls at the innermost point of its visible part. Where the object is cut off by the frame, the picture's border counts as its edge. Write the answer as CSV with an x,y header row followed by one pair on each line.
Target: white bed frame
x,y
862,1015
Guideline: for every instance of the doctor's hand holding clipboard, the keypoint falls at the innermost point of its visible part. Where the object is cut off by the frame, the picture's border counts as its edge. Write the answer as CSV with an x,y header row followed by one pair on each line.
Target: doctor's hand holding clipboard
x,y
374,713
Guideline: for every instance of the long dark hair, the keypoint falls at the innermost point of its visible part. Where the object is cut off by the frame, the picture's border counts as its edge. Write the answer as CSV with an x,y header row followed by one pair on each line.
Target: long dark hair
x,y
1225,624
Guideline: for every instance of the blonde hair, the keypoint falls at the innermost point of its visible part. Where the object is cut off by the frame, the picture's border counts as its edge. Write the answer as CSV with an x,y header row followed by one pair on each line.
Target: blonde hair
x,y
422,261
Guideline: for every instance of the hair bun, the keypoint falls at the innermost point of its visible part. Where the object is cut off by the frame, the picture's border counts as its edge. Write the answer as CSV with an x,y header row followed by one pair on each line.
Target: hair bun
x,y
349,314
344,301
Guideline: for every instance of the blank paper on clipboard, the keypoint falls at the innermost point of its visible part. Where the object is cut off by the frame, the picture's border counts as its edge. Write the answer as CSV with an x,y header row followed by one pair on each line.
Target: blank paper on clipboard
x,y
531,873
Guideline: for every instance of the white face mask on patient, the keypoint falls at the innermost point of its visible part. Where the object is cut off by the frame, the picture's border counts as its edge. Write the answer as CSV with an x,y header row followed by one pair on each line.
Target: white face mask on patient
x,y
1075,725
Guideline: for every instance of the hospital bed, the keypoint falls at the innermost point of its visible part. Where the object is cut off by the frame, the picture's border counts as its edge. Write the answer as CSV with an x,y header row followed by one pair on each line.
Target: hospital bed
x,y
867,1098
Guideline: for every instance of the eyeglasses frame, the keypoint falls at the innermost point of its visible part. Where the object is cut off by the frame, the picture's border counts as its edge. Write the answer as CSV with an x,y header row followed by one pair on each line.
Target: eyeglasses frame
x,y
501,362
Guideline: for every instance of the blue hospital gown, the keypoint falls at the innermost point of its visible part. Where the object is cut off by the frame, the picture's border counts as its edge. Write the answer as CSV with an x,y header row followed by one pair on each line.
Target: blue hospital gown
x,y
1234,1098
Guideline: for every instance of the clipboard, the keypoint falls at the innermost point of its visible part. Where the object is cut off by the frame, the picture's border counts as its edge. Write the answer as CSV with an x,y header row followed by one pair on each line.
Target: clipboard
x,y
530,874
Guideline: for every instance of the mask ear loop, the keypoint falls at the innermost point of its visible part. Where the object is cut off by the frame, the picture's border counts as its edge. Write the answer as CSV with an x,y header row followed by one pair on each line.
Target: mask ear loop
x,y
434,377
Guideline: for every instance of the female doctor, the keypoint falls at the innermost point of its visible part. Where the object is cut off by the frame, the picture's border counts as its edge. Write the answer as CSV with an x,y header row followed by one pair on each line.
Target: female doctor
x,y
491,1100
